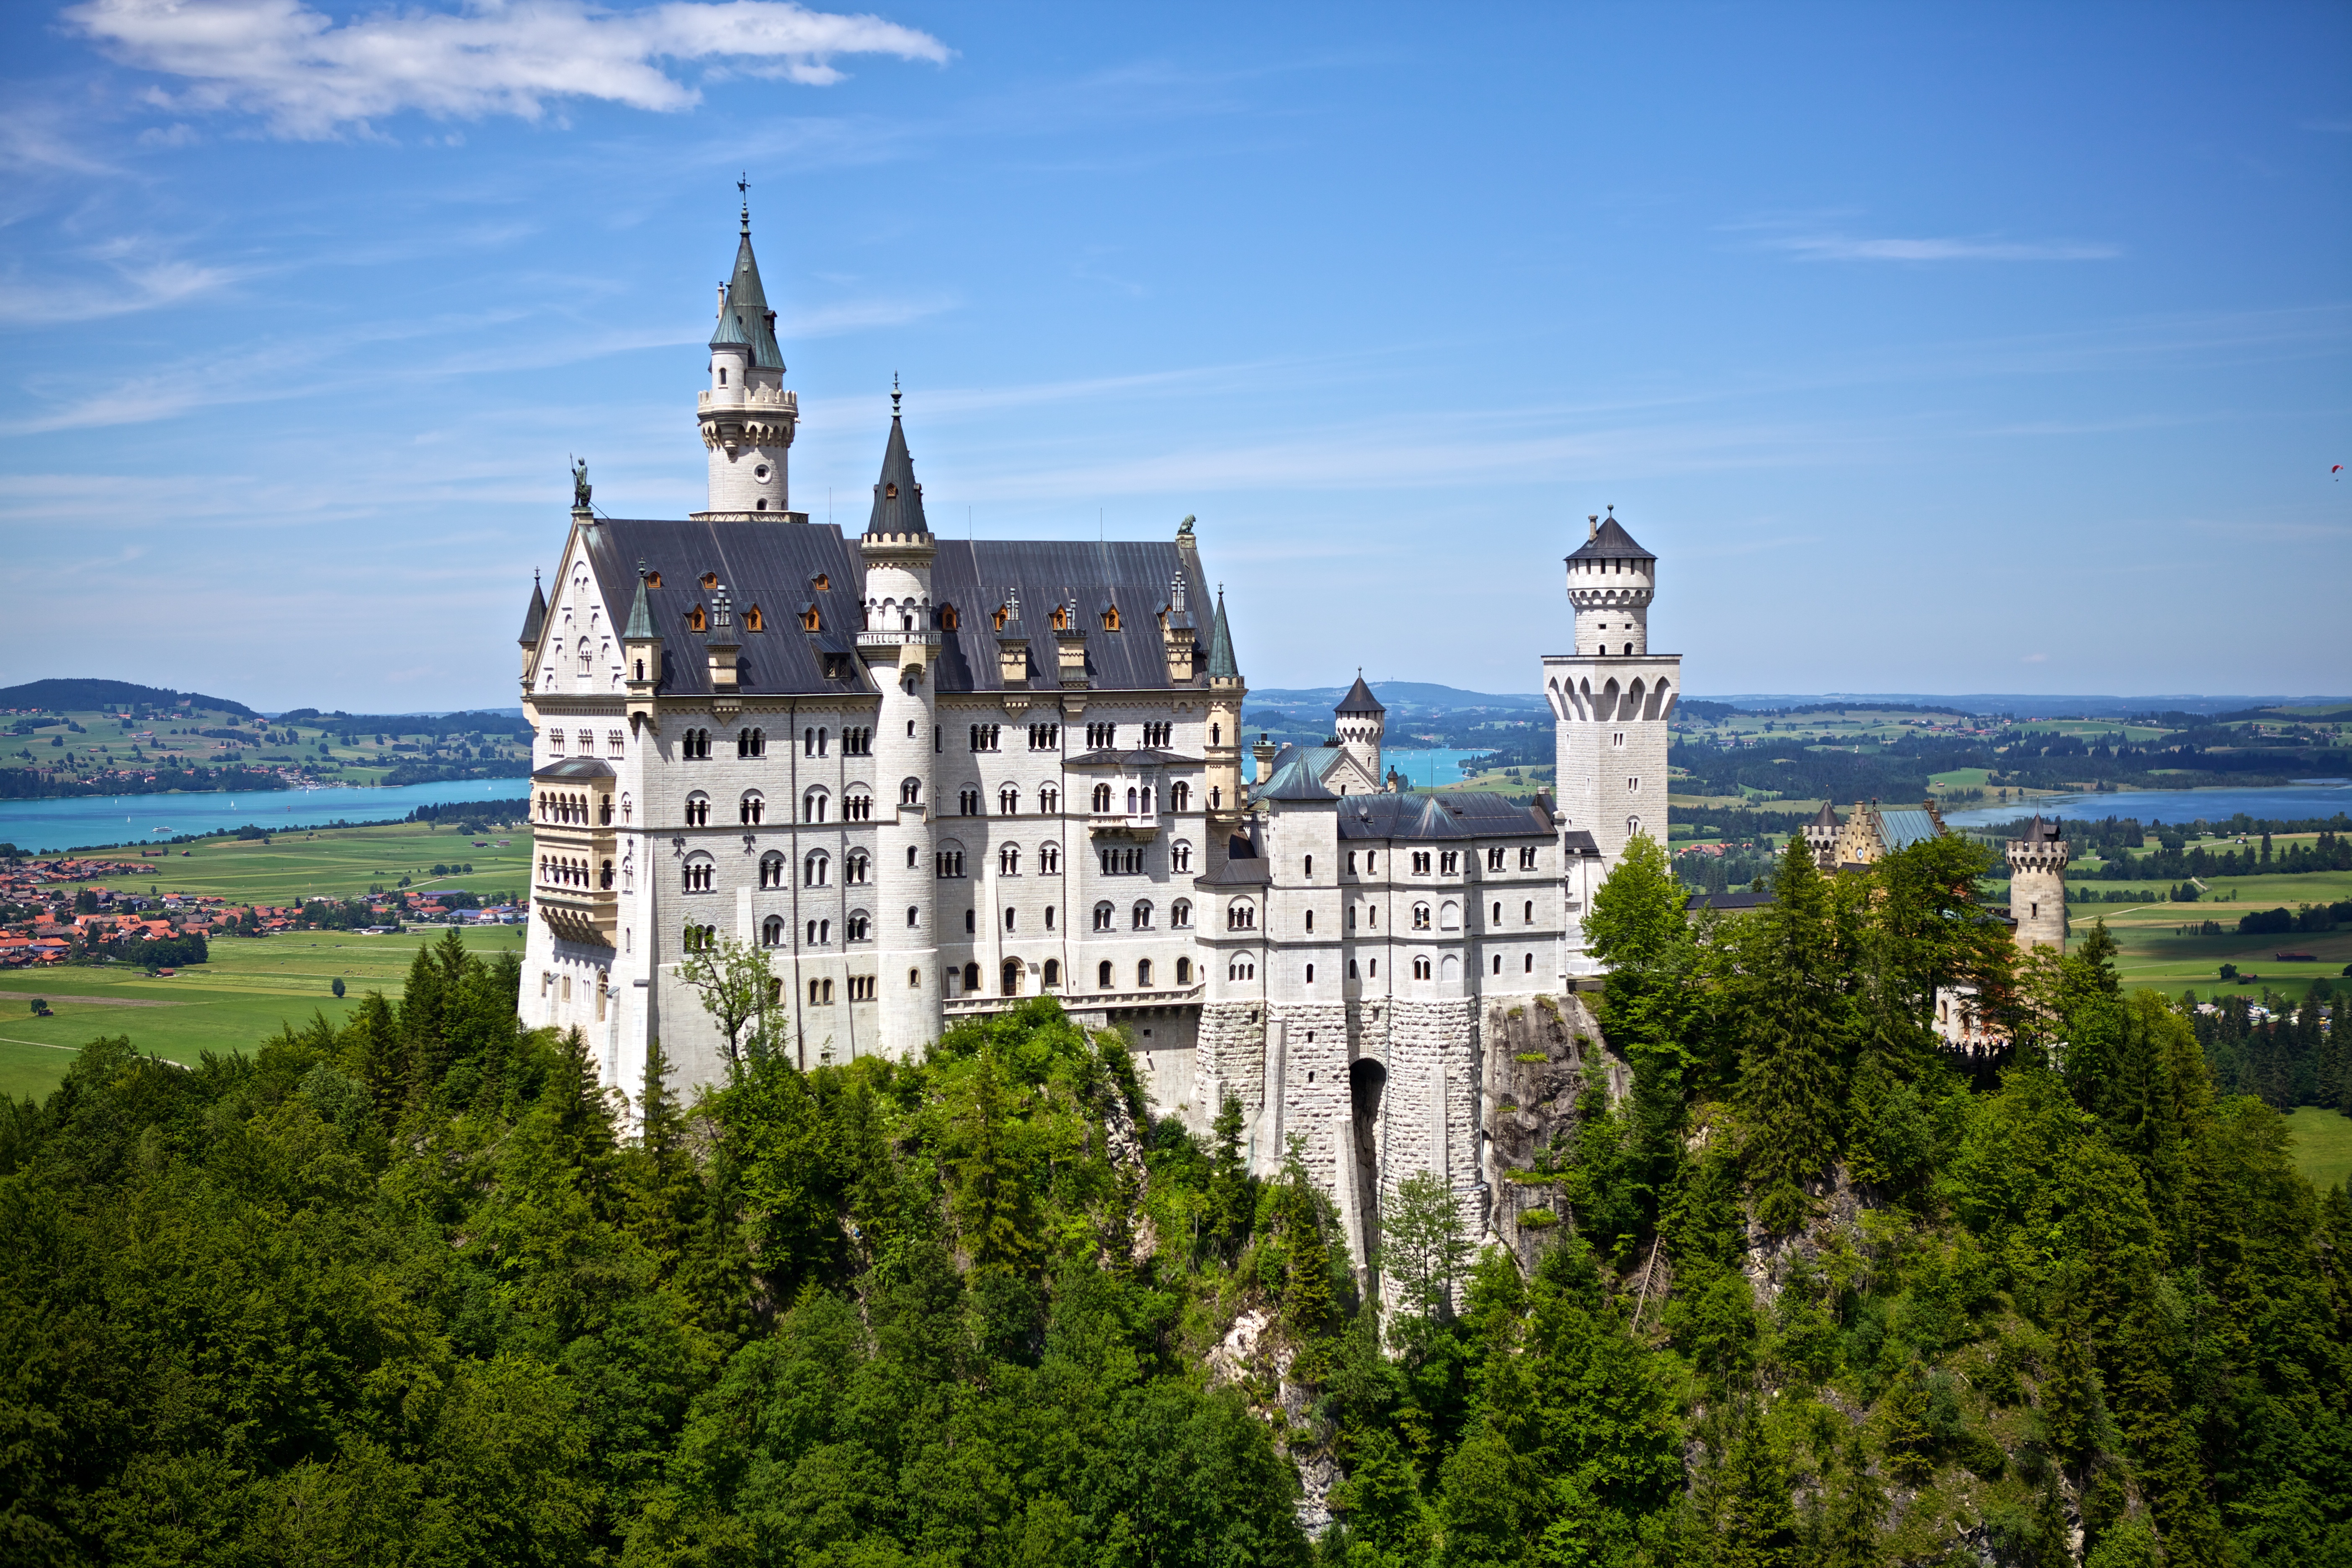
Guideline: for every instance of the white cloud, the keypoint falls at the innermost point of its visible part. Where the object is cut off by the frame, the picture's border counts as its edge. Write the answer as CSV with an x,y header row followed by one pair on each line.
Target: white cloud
x,y
310,78
139,284
1845,247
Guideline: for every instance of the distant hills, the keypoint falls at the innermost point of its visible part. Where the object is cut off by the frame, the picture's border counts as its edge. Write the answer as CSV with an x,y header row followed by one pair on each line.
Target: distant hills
x,y
86,696
1407,698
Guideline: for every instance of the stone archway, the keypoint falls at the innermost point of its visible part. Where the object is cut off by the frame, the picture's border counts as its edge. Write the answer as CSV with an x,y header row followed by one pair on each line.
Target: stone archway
x,y
1367,1086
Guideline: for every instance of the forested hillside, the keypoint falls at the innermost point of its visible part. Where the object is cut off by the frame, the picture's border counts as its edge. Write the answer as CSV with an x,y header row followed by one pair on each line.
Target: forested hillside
x,y
1821,1293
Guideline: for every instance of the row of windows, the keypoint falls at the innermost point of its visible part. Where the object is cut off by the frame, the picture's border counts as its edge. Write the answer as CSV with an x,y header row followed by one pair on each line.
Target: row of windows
x,y
1180,916
558,806
1244,967
615,743
1013,977
816,869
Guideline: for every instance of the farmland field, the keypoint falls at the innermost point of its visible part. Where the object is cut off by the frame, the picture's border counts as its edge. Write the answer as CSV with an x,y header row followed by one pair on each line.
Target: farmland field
x,y
331,862
251,987
2322,1144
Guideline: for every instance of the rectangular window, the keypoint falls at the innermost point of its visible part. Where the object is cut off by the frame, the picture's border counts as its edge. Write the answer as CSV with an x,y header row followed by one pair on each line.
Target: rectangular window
x,y
555,743
1633,786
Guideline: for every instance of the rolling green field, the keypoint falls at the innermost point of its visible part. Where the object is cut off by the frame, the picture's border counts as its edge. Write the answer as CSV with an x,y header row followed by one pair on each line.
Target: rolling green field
x,y
81,741
251,986
2151,954
332,862
2322,1144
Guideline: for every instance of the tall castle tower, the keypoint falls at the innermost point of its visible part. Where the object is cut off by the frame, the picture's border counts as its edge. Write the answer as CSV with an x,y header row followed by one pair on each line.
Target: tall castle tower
x,y
1610,700
1362,720
2037,886
900,648
747,416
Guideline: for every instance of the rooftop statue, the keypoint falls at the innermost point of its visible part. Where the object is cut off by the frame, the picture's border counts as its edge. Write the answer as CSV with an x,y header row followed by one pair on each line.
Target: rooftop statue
x,y
580,486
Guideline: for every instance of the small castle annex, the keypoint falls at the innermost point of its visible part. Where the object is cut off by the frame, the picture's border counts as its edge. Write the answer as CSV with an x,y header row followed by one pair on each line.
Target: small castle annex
x,y
932,778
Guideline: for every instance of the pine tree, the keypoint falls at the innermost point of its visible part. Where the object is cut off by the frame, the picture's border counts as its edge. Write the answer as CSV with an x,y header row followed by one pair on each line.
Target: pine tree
x,y
1850,1531
1755,1526
1230,1200
1789,1091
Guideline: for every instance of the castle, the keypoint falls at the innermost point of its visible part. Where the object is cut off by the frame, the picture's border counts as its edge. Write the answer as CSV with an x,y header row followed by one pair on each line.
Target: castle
x,y
929,779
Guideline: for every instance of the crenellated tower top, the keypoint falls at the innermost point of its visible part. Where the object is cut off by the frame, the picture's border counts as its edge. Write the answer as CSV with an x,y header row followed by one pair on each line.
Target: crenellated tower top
x,y
1610,582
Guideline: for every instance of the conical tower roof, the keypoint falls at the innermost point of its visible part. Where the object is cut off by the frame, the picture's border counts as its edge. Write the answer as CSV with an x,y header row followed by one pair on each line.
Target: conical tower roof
x,y
1359,699
641,616
746,305
534,619
898,498
1610,541
1222,663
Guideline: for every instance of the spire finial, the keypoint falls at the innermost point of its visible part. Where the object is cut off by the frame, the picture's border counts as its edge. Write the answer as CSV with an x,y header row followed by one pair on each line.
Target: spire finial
x,y
743,185
1612,511
894,394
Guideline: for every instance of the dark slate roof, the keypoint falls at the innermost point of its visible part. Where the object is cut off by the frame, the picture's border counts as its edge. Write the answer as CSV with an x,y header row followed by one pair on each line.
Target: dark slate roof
x,y
747,303
2041,832
535,620
768,564
1104,757
1827,816
1580,842
572,772
977,576
898,498
1359,698
1221,646
1610,541
1474,814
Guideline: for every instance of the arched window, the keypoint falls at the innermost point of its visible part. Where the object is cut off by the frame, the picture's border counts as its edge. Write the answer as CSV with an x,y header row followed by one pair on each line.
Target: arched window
x,y
1531,964
1310,979
751,742
1310,921
858,927
1130,800
1102,797
771,932
1632,827
1143,972
752,808
1139,918
1421,967
813,805
854,869
1008,802
700,874
771,870
1009,977
1179,855
1449,916
910,792
698,810
967,801
970,978
1180,914
1241,915
816,870
625,808
1183,971
1530,916
1103,975
1049,859
1241,969
1180,796
1421,916
1049,800
1104,915
914,919
1008,860
1053,972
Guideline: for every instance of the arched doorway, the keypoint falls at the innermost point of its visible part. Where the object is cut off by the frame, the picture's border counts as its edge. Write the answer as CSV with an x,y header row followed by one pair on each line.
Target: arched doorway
x,y
1013,977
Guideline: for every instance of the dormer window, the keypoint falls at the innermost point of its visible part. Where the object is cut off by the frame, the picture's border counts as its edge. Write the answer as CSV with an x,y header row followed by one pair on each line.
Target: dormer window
x,y
948,620
889,492
753,621
1111,618
709,581
811,621
696,620
1061,617
820,581
653,579
1004,614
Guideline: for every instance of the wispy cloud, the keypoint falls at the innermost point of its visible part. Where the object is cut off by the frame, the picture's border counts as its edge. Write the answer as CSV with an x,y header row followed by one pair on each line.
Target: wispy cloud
x,y
143,280
1851,247
309,78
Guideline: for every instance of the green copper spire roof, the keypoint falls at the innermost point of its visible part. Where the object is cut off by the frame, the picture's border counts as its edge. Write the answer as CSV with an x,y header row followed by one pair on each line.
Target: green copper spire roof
x,y
730,331
746,303
641,615
1221,645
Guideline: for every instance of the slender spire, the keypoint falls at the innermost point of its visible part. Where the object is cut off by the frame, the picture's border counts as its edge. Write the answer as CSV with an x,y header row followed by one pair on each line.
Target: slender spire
x,y
535,618
898,498
1359,698
747,300
1222,664
641,616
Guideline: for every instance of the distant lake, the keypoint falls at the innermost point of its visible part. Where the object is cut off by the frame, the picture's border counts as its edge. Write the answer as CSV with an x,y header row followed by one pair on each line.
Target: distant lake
x,y
2301,799
1424,769
93,822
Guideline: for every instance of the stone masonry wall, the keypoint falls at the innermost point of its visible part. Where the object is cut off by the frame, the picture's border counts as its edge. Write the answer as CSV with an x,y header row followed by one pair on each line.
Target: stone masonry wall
x,y
1230,1058
1430,1112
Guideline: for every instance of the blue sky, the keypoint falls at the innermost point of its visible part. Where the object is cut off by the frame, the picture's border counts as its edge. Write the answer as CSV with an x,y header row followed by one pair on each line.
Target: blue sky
x,y
1955,348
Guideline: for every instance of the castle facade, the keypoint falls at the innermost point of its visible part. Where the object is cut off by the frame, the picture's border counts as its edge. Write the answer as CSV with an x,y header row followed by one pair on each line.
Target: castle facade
x,y
929,779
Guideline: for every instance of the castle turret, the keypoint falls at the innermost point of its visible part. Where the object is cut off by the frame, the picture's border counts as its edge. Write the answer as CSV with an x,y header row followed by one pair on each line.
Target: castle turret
x,y
1226,690
747,416
534,622
900,648
1610,582
2037,885
1360,721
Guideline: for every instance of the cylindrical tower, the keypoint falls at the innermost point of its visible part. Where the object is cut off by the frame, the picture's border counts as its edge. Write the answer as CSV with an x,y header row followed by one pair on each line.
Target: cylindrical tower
x,y
900,647
1611,582
2037,885
1360,721
746,415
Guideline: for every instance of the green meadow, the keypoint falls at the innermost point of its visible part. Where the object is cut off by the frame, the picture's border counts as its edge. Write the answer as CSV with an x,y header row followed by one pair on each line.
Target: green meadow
x,y
331,862
251,987
2322,1144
